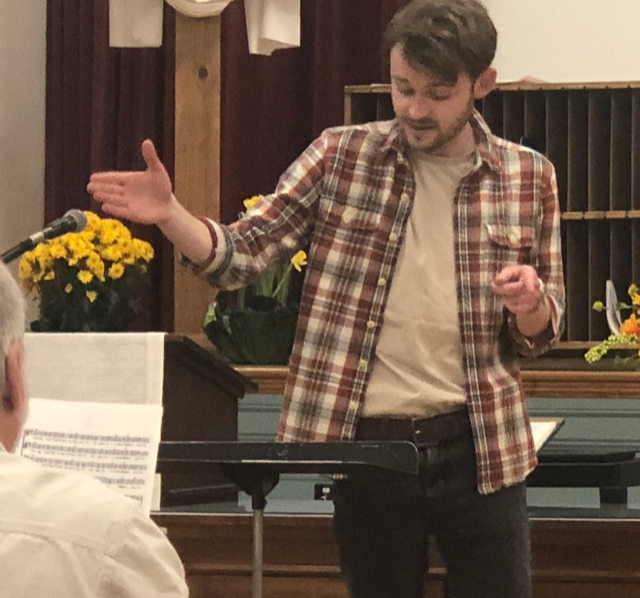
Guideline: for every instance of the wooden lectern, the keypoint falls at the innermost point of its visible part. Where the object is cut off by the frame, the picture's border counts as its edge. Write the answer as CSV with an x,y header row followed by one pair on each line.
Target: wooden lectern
x,y
200,399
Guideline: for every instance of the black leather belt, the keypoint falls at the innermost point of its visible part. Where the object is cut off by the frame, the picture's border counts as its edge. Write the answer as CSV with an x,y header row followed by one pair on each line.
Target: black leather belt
x,y
421,431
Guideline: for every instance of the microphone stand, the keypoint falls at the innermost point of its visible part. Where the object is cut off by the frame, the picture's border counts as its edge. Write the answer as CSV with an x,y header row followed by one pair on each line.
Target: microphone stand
x,y
72,221
16,251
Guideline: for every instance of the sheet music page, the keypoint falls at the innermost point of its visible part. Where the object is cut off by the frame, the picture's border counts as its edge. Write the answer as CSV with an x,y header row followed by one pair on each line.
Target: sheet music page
x,y
117,443
542,430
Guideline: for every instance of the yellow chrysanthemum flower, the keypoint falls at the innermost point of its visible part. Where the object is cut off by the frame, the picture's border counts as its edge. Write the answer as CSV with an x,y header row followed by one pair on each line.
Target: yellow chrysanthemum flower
x,y
85,277
92,296
96,265
78,247
112,253
43,256
128,254
115,271
142,250
58,250
93,221
114,229
109,236
24,270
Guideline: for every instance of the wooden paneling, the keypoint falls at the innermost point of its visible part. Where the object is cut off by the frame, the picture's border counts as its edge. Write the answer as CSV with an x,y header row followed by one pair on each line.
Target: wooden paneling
x,y
542,382
570,557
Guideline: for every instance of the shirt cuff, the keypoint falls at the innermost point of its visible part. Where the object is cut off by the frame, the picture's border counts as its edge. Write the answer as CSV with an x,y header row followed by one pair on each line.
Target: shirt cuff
x,y
543,340
218,250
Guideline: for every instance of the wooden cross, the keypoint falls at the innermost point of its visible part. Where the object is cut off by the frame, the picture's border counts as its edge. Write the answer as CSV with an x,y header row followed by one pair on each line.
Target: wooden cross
x,y
197,132
197,149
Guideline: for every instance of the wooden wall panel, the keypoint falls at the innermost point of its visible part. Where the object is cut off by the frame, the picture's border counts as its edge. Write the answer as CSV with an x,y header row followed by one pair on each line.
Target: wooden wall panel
x,y
621,149
598,149
571,557
635,149
578,130
556,142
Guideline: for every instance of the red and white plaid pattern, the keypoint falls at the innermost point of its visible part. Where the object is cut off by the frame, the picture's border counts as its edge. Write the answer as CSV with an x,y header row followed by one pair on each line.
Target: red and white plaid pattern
x,y
348,198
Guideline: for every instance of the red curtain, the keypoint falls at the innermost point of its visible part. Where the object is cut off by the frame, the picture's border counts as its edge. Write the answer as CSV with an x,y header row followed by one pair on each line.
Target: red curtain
x,y
102,102
273,106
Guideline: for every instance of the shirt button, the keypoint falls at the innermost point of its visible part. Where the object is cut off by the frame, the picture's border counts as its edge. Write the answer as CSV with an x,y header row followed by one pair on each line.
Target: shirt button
x,y
393,237
404,198
382,282
363,363
371,324
353,404
513,238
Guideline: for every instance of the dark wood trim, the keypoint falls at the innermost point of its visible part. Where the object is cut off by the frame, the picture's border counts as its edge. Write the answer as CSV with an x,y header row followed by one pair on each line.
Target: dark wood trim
x,y
571,557
512,86
546,383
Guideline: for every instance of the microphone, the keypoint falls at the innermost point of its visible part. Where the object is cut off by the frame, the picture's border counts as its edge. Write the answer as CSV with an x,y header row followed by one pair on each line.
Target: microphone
x,y
72,221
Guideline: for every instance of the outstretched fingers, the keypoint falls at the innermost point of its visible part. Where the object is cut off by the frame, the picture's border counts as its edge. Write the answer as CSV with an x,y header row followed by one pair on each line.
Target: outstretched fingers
x,y
106,189
115,209
113,177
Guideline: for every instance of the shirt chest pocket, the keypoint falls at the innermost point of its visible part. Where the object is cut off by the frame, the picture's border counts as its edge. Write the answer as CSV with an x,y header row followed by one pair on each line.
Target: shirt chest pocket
x,y
349,219
510,245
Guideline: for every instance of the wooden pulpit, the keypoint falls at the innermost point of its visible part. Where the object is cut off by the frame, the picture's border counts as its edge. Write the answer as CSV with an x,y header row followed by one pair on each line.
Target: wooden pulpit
x,y
200,399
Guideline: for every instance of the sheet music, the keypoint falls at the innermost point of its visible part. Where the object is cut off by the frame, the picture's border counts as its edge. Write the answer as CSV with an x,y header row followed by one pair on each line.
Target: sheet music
x,y
543,429
116,443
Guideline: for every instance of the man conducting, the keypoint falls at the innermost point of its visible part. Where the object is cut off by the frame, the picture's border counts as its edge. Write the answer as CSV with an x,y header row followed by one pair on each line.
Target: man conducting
x,y
434,259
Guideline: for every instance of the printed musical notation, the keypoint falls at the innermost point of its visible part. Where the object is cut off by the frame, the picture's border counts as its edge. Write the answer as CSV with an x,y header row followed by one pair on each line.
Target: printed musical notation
x,y
116,443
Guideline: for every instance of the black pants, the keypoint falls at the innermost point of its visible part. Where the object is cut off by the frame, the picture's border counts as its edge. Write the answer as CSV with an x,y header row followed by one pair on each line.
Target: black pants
x,y
383,521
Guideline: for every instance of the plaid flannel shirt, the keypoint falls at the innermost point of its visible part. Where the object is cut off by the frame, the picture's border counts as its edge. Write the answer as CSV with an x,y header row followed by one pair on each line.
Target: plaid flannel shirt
x,y
348,198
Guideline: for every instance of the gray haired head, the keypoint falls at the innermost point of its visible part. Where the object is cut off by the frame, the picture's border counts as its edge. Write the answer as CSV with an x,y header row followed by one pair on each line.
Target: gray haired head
x,y
12,316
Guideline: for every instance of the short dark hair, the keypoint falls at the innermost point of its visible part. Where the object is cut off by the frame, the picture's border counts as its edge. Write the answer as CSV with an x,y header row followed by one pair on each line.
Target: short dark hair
x,y
446,37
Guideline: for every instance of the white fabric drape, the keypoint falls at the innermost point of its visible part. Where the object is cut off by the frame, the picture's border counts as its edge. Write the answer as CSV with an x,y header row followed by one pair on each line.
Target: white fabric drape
x,y
135,23
199,8
271,24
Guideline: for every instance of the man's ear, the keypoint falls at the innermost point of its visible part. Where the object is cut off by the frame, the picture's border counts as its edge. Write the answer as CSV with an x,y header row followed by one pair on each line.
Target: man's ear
x,y
14,396
485,83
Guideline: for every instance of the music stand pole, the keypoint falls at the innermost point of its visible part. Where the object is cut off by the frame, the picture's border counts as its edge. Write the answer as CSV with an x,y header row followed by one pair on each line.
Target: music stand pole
x,y
258,543
255,468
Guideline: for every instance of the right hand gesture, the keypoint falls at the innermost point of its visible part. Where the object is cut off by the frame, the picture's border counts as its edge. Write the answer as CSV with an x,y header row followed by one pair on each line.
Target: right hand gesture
x,y
143,196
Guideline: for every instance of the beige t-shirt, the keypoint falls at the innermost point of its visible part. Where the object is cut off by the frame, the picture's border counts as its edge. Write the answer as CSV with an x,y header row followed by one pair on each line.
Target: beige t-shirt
x,y
68,535
418,366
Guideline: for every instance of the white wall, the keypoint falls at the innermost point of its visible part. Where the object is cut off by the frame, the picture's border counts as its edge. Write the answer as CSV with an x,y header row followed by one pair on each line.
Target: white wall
x,y
22,113
565,41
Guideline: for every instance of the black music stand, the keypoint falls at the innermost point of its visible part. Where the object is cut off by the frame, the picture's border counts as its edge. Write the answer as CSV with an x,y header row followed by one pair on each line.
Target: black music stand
x,y
255,467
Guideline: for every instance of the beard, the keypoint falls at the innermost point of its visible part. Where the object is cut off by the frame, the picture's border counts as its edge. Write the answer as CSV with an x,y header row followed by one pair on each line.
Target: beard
x,y
442,136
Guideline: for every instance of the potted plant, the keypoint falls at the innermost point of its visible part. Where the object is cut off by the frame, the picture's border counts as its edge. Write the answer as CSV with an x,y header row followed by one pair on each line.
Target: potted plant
x,y
257,328
86,281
